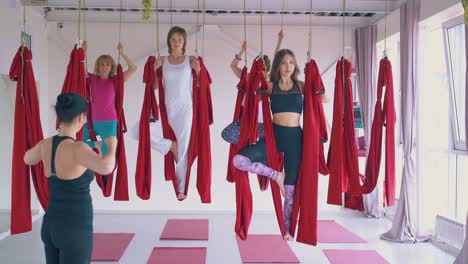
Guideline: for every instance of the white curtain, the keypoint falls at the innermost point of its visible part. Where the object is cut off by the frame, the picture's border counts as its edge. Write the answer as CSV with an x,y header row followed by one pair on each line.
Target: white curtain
x,y
405,220
366,41
462,257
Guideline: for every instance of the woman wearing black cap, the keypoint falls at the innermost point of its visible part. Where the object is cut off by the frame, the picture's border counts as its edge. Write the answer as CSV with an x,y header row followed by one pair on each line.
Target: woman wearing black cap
x,y
67,227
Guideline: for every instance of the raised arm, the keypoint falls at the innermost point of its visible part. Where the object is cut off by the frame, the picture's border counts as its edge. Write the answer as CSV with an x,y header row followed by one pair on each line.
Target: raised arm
x,y
195,64
237,58
90,160
280,41
131,66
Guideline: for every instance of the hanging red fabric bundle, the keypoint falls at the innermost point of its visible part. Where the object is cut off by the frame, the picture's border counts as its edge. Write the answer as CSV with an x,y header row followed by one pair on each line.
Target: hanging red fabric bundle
x,y
199,145
343,160
387,115
121,183
204,120
306,197
150,107
27,133
241,90
256,90
75,81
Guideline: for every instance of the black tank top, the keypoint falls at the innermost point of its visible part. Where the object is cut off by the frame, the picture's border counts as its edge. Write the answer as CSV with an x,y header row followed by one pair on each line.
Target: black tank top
x,y
286,101
68,198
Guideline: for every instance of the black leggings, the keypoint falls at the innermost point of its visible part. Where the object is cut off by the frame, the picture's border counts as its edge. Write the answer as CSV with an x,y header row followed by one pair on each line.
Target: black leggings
x,y
289,141
67,241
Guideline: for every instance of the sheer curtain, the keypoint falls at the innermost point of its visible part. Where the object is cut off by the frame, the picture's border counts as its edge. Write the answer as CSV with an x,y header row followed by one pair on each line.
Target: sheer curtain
x,y
404,223
366,41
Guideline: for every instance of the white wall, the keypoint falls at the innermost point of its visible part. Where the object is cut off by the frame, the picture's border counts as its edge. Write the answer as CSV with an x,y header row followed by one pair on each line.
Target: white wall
x,y
221,45
428,9
393,25
10,26
432,7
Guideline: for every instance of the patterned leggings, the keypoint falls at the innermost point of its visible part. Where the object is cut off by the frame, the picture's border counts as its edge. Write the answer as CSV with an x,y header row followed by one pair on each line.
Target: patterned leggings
x,y
245,164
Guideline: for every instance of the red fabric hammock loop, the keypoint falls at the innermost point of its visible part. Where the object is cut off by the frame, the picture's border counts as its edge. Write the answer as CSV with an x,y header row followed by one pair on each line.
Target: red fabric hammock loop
x,y
27,133
244,203
343,159
241,92
121,183
75,81
344,168
382,117
143,170
306,197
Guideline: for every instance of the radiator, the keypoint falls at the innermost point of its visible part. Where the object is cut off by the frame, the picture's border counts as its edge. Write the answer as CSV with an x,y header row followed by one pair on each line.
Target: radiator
x,y
449,231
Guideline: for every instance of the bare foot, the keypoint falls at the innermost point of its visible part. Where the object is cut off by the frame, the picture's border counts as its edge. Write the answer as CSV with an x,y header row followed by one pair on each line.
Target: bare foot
x,y
280,182
174,150
288,237
181,196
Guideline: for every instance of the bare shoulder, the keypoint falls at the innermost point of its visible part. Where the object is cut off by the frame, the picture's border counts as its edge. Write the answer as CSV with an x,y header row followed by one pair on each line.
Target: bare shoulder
x,y
80,146
301,85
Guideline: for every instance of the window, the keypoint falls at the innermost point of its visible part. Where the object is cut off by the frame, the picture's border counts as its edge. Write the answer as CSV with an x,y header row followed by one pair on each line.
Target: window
x,y
454,33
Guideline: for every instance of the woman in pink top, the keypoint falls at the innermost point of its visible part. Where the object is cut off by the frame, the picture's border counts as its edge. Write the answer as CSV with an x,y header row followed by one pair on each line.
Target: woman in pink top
x,y
104,114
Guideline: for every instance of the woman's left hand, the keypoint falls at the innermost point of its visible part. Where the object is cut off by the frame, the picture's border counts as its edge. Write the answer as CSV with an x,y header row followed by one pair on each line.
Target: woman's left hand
x,y
195,63
325,98
120,48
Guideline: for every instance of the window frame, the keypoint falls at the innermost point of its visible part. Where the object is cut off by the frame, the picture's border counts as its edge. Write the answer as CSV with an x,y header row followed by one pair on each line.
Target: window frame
x,y
457,145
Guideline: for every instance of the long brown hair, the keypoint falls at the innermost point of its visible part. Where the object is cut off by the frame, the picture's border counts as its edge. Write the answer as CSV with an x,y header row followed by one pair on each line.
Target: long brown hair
x,y
275,71
266,65
178,30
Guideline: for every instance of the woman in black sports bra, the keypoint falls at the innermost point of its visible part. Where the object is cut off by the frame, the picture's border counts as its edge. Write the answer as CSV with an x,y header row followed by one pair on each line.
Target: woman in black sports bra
x,y
286,106
67,226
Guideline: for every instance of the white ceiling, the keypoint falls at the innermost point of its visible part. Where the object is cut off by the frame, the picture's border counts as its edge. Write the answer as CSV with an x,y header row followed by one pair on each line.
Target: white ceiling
x,y
57,11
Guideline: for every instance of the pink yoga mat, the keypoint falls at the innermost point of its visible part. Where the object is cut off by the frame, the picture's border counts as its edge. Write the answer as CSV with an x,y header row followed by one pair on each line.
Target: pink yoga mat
x,y
265,248
178,255
329,231
110,246
185,229
338,256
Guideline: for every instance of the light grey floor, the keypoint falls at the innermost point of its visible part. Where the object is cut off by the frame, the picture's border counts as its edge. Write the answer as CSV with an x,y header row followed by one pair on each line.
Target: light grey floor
x,y
4,221
222,247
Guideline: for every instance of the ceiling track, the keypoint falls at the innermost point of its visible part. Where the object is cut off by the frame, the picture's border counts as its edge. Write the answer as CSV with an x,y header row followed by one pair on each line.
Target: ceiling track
x,y
215,12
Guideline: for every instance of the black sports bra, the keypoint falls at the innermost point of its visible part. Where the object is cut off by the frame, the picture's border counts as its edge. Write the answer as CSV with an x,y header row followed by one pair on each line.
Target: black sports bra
x,y
286,101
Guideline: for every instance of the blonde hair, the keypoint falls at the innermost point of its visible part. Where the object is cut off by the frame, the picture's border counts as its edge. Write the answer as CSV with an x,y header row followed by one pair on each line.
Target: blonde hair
x,y
105,58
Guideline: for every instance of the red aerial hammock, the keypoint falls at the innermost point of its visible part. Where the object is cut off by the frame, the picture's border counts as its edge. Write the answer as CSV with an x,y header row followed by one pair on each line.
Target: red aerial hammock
x,y
27,133
241,90
150,107
344,168
343,161
383,117
306,197
248,134
313,158
121,184
143,169
199,145
75,79
341,171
